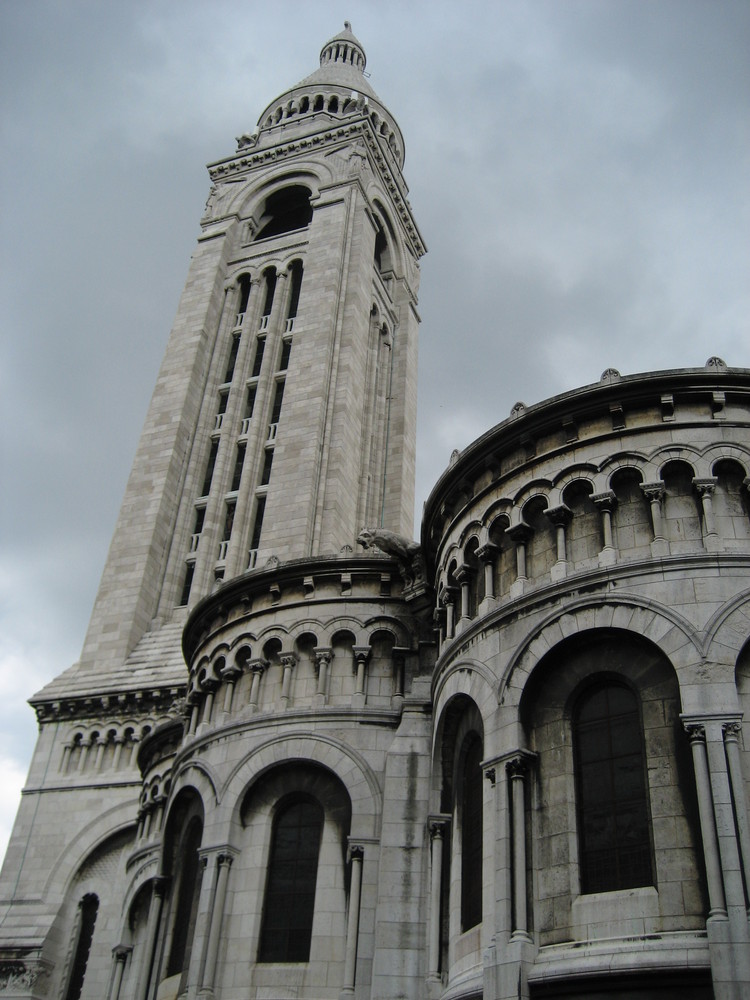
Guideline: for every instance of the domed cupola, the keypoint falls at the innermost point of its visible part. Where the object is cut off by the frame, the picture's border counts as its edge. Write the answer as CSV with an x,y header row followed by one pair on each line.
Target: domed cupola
x,y
344,49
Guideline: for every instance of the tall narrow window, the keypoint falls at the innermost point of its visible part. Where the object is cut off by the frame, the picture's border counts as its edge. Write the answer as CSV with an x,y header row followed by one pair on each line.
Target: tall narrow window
x,y
265,475
210,465
244,297
200,517
290,889
471,833
278,399
250,402
187,583
614,828
88,908
260,509
228,522
296,273
238,463
232,360
286,350
188,877
270,277
260,346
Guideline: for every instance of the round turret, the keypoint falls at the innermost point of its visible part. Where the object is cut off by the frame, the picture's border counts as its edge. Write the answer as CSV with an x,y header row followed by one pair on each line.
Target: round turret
x,y
344,49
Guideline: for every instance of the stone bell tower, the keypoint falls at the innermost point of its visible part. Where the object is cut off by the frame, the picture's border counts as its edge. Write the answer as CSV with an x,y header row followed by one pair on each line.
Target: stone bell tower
x,y
284,416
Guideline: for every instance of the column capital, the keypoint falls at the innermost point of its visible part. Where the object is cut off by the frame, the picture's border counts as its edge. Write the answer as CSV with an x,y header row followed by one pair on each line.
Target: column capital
x,y
159,885
323,654
463,573
448,596
231,672
607,500
361,653
288,660
519,533
695,732
560,515
705,487
258,665
732,730
355,852
486,553
653,491
120,952
517,766
438,825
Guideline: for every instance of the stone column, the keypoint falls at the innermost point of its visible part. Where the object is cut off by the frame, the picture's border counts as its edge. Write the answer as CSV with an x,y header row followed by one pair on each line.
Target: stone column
x,y
438,826
361,653
209,687
288,663
560,517
447,600
463,575
256,668
158,892
120,956
65,762
323,657
194,702
230,675
606,503
731,745
517,769
399,654
118,752
705,490
654,493
135,743
215,920
100,745
356,856
697,736
519,535
487,555
85,744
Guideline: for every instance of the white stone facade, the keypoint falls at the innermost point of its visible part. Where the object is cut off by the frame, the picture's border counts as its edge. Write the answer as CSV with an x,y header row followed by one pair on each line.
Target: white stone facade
x,y
508,763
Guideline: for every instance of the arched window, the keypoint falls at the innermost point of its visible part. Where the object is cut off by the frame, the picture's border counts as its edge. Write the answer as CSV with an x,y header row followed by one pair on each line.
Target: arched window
x,y
187,873
290,889
285,211
614,828
88,908
471,832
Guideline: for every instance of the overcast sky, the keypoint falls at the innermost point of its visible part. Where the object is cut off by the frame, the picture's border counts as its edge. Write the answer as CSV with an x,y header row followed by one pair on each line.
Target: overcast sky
x,y
579,169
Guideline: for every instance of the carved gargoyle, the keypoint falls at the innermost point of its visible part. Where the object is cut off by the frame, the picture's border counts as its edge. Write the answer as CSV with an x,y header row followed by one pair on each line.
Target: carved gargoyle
x,y
407,552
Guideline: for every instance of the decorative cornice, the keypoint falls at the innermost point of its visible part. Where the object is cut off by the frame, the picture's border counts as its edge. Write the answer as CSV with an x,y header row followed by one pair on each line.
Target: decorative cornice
x,y
245,162
139,702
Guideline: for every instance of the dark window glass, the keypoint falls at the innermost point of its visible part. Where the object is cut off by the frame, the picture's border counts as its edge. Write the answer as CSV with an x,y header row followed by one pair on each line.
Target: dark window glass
x,y
270,277
250,402
260,346
296,271
290,889
613,815
277,401
471,835
210,468
89,906
223,397
238,463
186,900
228,522
285,211
244,293
187,583
232,358
260,510
286,350
200,517
265,475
